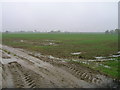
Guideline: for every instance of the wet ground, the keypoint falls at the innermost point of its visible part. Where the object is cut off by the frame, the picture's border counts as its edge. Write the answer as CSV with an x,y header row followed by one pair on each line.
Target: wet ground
x,y
24,69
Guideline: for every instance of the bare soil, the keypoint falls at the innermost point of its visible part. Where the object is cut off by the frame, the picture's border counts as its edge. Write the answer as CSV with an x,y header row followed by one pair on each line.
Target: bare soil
x,y
22,69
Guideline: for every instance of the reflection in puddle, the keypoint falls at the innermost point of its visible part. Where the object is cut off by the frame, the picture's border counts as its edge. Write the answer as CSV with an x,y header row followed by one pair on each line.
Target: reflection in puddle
x,y
76,53
99,57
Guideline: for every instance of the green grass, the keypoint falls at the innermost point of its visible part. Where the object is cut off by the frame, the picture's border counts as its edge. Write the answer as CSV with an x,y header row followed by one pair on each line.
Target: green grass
x,y
91,44
113,71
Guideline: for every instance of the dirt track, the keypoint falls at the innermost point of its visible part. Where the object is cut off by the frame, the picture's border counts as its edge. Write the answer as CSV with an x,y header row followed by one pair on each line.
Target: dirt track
x,y
23,69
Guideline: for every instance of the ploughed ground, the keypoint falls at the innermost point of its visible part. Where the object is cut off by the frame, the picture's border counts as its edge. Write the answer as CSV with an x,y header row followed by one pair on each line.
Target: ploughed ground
x,y
23,69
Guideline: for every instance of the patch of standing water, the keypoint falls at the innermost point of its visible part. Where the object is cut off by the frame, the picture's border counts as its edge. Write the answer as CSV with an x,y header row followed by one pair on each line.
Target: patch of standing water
x,y
105,66
49,40
21,41
100,60
61,59
76,53
88,63
51,57
84,62
118,52
99,57
112,57
115,56
49,44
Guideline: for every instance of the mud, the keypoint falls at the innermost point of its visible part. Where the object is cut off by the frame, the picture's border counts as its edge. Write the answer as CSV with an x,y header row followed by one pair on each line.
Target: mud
x,y
25,69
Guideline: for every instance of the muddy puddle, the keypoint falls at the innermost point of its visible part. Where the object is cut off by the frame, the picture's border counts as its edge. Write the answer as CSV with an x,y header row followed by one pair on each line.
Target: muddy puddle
x,y
100,57
50,40
76,53
49,44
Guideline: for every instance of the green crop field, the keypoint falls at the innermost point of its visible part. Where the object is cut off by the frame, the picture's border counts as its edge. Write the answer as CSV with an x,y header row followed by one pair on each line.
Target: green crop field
x,y
90,44
61,45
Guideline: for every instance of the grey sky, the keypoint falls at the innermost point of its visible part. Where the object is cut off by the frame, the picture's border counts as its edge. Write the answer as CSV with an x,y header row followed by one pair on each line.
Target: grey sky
x,y
82,16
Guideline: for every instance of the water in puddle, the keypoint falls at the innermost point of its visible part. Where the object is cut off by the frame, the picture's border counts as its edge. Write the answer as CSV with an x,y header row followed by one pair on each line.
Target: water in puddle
x,y
118,52
76,53
99,57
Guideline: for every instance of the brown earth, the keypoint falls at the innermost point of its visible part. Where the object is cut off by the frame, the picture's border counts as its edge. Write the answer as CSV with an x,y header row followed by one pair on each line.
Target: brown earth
x,y
23,69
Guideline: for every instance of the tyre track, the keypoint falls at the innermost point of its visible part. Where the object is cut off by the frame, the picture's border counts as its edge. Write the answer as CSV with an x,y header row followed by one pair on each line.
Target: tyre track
x,y
27,78
83,75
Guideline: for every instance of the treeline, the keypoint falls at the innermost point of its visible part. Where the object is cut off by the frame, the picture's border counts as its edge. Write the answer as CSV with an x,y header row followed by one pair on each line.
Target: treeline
x,y
116,31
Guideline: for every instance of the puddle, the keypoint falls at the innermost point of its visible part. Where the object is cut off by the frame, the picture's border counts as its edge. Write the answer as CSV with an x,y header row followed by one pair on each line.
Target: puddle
x,y
61,59
105,66
76,53
84,62
95,60
50,44
99,57
21,40
88,63
118,52
51,57
49,40
100,60
111,57
115,56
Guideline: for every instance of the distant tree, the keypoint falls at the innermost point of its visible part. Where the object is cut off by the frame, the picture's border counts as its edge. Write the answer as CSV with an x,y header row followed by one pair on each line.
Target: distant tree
x,y
112,32
107,32
35,30
21,31
58,31
6,31
55,31
52,31
117,31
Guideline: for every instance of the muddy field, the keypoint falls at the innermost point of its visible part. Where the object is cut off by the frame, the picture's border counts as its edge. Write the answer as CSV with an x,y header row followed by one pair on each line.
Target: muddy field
x,y
23,69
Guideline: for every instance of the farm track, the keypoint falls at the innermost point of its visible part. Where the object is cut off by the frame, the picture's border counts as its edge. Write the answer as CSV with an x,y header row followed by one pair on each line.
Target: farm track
x,y
87,74
24,70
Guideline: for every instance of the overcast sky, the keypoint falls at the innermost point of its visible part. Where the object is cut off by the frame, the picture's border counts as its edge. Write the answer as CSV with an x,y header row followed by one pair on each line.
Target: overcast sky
x,y
65,16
